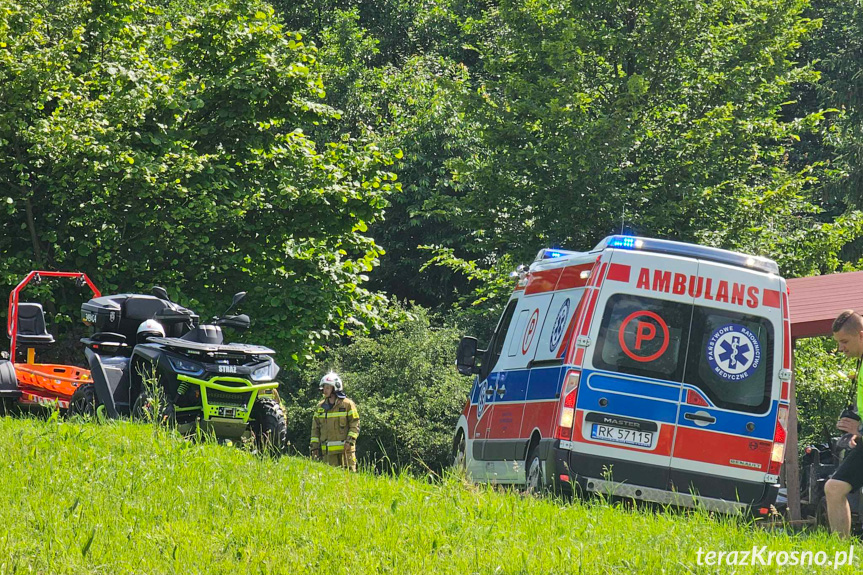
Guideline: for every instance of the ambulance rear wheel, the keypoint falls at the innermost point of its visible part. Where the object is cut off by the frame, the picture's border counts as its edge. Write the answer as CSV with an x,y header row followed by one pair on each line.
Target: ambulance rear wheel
x,y
459,453
535,477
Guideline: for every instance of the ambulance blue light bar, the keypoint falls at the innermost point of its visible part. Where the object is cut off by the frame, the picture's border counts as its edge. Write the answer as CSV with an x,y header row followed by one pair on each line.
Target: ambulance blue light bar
x,y
626,242
550,254
757,263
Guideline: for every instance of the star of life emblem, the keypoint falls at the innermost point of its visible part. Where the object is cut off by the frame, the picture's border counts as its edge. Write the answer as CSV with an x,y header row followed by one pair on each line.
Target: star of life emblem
x,y
481,400
733,352
559,325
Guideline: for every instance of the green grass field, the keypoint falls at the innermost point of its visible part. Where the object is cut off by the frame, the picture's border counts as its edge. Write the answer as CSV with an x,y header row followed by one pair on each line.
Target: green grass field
x,y
129,498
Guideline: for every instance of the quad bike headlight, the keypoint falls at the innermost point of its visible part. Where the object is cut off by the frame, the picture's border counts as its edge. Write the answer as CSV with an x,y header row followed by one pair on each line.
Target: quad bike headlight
x,y
186,366
266,373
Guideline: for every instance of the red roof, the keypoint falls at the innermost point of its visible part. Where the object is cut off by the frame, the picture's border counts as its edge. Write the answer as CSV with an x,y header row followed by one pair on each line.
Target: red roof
x,y
816,301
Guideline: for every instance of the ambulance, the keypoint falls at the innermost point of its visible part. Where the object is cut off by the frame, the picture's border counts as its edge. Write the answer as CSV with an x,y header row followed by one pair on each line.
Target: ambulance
x,y
645,368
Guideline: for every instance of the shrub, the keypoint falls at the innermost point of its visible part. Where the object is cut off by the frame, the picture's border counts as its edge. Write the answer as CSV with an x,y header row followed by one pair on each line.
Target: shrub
x,y
406,387
823,389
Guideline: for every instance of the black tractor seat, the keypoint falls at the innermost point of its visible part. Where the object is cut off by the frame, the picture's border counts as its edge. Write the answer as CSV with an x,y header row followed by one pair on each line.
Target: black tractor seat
x,y
31,325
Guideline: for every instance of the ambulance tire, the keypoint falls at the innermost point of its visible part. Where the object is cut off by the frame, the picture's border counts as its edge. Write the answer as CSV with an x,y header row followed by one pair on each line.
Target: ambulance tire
x,y
535,475
458,459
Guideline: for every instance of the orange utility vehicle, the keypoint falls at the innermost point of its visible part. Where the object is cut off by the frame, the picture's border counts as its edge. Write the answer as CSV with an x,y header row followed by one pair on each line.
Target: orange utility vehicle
x,y
32,383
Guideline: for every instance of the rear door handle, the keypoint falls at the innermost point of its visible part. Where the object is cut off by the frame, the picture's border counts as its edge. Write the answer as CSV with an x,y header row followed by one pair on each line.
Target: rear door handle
x,y
700,418
501,390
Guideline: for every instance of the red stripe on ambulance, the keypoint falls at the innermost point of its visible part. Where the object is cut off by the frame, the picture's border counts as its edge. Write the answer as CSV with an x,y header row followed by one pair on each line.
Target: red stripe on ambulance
x,y
619,272
786,333
590,296
539,415
707,446
543,281
771,298
571,277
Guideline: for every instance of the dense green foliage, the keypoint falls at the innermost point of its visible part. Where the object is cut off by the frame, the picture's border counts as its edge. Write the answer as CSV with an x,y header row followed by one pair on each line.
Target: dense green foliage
x,y
241,145
824,389
405,385
164,143
125,499
555,124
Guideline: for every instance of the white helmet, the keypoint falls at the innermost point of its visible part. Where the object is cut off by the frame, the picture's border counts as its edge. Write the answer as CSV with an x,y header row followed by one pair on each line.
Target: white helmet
x,y
333,379
150,328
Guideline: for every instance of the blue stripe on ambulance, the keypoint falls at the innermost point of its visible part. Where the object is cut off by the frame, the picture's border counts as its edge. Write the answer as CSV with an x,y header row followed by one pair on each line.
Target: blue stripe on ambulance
x,y
735,423
545,383
661,406
515,382
659,401
650,388
622,403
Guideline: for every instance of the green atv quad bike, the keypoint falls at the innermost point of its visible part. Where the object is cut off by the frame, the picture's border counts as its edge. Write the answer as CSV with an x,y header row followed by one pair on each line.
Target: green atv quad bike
x,y
147,347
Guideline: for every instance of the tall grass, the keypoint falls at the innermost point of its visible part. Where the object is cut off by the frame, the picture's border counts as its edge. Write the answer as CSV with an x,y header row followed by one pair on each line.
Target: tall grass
x,y
133,498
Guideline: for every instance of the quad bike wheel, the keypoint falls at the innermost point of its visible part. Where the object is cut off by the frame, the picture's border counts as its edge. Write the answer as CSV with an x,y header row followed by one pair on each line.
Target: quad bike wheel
x,y
83,401
8,385
144,407
268,425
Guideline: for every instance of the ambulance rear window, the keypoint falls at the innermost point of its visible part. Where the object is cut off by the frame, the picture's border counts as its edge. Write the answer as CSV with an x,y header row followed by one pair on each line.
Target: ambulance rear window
x,y
643,336
730,359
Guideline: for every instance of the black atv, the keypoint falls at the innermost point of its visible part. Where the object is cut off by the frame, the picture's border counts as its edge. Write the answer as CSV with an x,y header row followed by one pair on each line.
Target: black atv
x,y
816,466
189,377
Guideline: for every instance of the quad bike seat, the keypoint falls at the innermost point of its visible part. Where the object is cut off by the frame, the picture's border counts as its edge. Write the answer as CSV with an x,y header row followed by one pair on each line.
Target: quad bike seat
x,y
31,325
123,313
138,308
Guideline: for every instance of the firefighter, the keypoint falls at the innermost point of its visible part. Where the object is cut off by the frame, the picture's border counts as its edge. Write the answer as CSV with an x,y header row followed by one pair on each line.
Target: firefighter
x,y
335,425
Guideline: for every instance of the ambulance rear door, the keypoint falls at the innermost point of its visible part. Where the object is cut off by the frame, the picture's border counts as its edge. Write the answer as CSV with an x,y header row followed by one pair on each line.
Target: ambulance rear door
x,y
628,398
730,397
546,369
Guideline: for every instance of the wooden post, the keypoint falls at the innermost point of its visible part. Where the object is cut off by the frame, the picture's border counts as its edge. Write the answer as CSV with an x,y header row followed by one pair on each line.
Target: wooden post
x,y
792,463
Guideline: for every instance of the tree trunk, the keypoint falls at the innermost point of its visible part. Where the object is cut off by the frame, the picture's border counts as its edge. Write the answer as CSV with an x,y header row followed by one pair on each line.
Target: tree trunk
x,y
31,225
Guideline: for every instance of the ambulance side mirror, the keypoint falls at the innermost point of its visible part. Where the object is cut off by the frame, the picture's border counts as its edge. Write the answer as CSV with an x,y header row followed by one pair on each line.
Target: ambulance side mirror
x,y
466,356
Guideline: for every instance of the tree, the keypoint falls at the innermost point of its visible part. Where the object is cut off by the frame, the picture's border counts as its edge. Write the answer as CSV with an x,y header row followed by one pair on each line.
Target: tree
x,y
663,117
396,72
148,142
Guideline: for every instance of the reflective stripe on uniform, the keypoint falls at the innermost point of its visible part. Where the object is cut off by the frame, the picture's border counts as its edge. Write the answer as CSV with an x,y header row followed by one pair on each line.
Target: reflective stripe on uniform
x,y
315,440
324,414
353,434
353,413
334,446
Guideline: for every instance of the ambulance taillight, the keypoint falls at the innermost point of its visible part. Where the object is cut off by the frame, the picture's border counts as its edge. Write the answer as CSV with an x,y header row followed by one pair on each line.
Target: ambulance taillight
x,y
777,456
567,412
